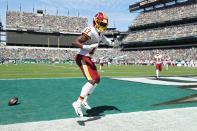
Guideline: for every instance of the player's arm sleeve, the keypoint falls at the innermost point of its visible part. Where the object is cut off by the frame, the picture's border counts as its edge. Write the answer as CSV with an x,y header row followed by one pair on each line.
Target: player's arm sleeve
x,y
87,32
106,41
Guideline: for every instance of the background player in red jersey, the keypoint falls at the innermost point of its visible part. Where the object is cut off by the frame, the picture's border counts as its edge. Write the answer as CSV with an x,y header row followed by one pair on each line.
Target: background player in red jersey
x,y
88,42
158,61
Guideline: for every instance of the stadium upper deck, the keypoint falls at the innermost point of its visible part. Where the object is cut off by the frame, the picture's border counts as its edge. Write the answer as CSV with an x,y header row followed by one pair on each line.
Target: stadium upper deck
x,y
165,14
38,21
42,30
169,27
148,5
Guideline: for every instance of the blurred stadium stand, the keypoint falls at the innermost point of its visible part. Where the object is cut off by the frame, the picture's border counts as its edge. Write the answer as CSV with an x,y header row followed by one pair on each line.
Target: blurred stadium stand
x,y
162,24
169,28
39,21
2,35
42,30
1,28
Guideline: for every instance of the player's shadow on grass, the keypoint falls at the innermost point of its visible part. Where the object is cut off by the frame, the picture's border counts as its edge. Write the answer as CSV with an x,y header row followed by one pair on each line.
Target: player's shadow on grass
x,y
96,113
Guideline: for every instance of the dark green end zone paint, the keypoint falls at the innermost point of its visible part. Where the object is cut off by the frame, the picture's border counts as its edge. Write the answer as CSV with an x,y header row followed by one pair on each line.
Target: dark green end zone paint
x,y
50,99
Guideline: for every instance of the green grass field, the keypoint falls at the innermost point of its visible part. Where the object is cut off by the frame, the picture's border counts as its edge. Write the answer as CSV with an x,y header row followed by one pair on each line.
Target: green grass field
x,y
13,71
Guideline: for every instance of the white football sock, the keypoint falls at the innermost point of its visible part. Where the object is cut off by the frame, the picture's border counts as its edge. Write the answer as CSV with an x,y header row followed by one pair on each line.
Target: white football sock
x,y
157,73
85,89
90,91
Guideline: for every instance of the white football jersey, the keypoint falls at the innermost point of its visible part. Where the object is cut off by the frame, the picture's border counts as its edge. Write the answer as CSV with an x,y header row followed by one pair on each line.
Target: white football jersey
x,y
93,37
158,59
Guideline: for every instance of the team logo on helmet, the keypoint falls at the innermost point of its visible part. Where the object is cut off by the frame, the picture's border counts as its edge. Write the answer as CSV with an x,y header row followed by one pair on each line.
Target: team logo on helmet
x,y
100,22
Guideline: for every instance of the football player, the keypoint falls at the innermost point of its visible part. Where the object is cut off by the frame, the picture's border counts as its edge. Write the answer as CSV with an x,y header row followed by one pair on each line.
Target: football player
x,y
101,60
167,62
158,61
89,40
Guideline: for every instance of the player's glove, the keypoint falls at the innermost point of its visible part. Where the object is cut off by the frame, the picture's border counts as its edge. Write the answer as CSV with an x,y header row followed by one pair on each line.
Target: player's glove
x,y
90,47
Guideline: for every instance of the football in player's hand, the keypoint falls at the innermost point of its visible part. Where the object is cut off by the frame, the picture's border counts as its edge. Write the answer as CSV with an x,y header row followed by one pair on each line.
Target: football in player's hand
x,y
13,101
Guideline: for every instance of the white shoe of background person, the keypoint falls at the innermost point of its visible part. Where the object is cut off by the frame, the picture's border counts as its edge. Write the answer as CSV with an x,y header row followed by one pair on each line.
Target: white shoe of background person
x,y
77,109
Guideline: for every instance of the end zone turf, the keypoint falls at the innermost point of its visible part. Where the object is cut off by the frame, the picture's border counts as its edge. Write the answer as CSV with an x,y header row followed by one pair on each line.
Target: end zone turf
x,y
51,99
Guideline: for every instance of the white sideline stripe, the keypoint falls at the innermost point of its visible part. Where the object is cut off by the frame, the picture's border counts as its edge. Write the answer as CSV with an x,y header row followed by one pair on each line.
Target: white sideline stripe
x,y
182,78
63,67
193,89
156,82
56,66
180,119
